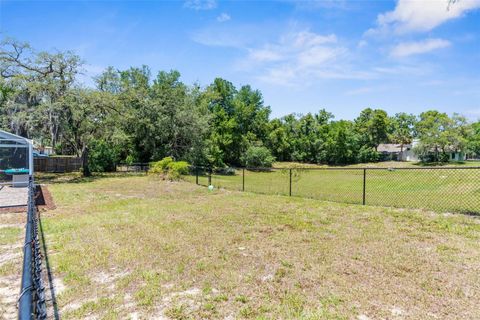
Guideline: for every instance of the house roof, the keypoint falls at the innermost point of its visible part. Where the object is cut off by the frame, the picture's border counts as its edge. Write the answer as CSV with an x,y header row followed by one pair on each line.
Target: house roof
x,y
390,147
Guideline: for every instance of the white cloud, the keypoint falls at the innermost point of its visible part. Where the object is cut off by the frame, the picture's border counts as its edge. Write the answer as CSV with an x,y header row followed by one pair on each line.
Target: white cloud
x,y
223,17
318,56
200,4
362,43
421,16
308,39
306,47
418,47
302,57
265,55
299,58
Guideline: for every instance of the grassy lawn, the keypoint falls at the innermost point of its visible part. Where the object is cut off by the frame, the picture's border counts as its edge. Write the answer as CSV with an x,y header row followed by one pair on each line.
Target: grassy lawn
x,y
139,247
383,164
444,190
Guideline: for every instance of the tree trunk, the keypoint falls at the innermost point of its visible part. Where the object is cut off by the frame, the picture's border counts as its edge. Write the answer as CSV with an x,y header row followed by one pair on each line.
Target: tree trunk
x,y
86,169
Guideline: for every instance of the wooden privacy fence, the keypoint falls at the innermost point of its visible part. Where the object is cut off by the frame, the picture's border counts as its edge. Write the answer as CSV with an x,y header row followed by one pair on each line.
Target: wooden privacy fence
x,y
57,164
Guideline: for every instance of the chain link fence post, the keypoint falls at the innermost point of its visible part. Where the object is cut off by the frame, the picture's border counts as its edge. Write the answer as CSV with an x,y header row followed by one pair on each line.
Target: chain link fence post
x,y
290,189
243,179
364,185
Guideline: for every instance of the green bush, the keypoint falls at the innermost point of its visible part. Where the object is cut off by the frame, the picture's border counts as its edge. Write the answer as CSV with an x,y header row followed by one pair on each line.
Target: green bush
x,y
169,169
165,163
426,155
258,157
176,169
102,157
368,154
161,166
130,159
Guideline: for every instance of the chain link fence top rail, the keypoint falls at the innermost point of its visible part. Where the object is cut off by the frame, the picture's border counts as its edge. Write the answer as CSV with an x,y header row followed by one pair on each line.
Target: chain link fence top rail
x,y
442,189
31,301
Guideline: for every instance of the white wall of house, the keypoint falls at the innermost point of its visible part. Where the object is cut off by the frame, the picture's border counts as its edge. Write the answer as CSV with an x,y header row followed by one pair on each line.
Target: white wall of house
x,y
457,156
409,155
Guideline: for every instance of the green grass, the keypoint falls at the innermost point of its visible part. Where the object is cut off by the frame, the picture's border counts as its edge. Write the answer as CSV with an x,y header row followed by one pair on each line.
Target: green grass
x,y
9,235
136,245
383,164
443,190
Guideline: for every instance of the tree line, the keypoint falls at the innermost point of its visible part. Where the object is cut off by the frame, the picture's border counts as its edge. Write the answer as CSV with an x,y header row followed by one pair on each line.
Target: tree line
x,y
134,116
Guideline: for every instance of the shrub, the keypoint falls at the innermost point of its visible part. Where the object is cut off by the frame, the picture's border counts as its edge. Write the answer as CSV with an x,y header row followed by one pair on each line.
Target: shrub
x,y
258,157
102,157
160,166
176,169
368,154
169,169
165,163
130,159
426,155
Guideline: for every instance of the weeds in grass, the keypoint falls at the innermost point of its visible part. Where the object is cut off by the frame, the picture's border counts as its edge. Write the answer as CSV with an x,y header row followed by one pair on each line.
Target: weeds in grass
x,y
9,235
253,256
8,268
178,312
241,298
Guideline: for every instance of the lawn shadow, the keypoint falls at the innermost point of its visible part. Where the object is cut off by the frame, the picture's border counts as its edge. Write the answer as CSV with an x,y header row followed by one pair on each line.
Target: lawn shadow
x,y
439,164
76,177
53,296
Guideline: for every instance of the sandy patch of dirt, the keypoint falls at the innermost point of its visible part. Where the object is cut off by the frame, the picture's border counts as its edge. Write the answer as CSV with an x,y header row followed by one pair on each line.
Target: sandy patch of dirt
x,y
108,278
184,298
9,290
9,256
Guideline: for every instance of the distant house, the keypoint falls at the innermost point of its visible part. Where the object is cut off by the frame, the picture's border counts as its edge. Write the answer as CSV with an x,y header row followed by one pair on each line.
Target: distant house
x,y
393,151
43,150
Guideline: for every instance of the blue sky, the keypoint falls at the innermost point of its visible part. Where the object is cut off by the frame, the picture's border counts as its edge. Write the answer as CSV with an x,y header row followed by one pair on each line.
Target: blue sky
x,y
401,56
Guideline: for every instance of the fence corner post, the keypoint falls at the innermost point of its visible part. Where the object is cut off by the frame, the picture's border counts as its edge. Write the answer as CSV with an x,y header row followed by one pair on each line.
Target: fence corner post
x,y
290,189
364,184
209,176
196,175
243,179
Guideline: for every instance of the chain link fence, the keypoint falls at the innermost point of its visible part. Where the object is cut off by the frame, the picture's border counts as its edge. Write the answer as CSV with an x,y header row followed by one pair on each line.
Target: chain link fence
x,y
32,302
132,167
442,189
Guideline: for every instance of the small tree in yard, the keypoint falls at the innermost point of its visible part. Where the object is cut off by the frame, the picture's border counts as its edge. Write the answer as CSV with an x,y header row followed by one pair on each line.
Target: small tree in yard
x,y
440,134
86,118
258,157
403,129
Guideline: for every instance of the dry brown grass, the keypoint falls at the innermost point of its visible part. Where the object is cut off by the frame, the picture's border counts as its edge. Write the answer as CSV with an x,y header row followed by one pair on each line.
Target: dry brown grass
x,y
11,245
139,247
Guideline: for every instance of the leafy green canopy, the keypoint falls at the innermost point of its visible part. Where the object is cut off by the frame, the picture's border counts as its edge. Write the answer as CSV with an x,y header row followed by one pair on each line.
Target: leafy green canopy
x,y
132,116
